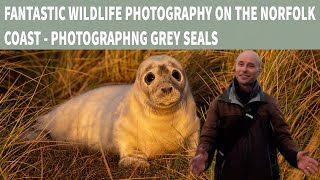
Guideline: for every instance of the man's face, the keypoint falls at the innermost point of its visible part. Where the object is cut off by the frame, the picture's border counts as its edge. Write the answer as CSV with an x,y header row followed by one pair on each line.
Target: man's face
x,y
247,69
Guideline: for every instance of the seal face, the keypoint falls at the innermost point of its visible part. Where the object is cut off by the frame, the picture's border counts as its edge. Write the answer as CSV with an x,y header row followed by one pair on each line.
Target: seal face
x,y
162,79
153,116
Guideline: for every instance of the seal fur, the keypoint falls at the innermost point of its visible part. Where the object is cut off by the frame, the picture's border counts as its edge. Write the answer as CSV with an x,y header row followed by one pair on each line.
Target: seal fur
x,y
153,116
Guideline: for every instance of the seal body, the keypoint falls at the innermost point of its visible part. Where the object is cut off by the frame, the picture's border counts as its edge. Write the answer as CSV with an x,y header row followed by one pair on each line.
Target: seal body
x,y
155,115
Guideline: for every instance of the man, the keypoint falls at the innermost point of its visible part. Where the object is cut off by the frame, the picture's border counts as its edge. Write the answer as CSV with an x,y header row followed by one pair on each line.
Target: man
x,y
245,125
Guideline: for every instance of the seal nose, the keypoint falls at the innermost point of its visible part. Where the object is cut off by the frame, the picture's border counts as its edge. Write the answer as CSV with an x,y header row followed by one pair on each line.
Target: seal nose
x,y
166,90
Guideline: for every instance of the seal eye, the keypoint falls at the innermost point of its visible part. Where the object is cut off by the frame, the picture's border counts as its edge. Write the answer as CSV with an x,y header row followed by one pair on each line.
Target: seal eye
x,y
149,78
176,74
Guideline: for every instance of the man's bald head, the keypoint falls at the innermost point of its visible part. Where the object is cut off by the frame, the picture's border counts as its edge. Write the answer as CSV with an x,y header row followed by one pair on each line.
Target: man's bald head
x,y
247,68
250,55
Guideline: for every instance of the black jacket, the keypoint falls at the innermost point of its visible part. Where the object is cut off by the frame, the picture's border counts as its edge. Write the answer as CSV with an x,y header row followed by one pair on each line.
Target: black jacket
x,y
246,136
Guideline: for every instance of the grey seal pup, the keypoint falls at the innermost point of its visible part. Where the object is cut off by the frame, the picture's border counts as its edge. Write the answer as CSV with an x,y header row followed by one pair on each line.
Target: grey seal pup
x,y
153,116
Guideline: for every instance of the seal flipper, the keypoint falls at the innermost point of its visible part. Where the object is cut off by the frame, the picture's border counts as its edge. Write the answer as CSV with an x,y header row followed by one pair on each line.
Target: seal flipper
x,y
135,161
33,133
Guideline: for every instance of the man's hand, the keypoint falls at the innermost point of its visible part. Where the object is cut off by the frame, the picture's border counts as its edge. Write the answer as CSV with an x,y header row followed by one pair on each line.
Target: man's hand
x,y
306,164
198,163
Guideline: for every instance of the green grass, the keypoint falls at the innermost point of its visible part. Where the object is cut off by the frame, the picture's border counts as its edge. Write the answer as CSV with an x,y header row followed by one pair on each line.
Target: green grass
x,y
33,82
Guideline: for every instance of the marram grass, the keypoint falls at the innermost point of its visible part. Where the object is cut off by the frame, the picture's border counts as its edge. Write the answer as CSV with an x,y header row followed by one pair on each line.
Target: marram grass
x,y
33,82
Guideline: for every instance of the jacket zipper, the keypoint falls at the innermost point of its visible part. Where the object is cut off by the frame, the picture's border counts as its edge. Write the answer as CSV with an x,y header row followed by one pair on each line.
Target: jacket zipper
x,y
221,169
269,160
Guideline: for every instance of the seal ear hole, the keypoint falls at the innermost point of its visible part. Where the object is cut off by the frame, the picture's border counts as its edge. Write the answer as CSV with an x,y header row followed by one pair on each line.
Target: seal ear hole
x,y
149,78
176,74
